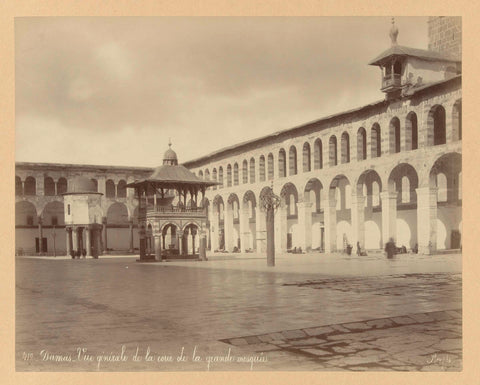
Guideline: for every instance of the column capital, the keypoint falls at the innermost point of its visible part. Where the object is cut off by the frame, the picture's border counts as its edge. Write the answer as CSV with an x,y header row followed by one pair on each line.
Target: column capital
x,y
302,205
426,190
388,195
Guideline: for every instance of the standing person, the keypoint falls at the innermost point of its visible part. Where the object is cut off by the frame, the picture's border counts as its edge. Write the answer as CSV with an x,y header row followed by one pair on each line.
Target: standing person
x,y
359,249
390,248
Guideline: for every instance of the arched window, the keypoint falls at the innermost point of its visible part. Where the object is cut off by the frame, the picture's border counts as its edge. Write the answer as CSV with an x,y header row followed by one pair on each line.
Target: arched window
x,y
405,190
18,186
292,161
262,169
376,144
229,175
292,205
48,186
317,155
122,189
338,199
214,177
110,189
235,209
348,196
361,144
306,157
61,186
394,138
245,171
442,188
270,167
220,177
411,132
207,174
457,120
235,174
200,174
30,186
252,170
332,144
282,163
95,183
437,133
345,143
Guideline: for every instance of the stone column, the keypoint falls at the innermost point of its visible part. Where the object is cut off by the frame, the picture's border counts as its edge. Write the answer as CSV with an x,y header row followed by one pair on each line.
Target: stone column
x,y
88,244
358,220
40,235
426,220
244,229
281,229
228,226
105,244
130,225
69,240
215,230
389,215
261,230
142,240
158,247
180,242
330,224
79,241
202,254
74,233
305,222
193,232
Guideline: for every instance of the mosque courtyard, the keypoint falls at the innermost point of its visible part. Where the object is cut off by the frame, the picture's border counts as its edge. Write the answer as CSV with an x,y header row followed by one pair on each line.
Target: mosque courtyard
x,y
232,312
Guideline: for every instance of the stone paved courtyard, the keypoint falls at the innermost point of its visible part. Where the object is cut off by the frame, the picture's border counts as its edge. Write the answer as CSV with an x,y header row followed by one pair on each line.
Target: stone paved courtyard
x,y
310,312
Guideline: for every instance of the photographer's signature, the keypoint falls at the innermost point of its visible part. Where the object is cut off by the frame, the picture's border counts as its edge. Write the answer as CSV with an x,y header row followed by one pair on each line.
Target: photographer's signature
x,y
443,360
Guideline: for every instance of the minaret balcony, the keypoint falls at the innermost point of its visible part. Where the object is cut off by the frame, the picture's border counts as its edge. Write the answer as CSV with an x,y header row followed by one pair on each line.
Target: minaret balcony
x,y
391,82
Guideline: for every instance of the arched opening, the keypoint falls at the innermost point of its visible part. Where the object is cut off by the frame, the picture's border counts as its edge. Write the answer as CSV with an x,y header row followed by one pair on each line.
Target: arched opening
x,y
270,167
30,186
245,172
403,181
61,186
229,175
170,240
437,133
282,163
332,144
235,174
411,131
48,186
292,161
261,168
207,174
290,231
110,189
340,224
252,170
122,189
394,136
214,177
200,174
318,155
313,195
232,224
26,241
345,144
376,141
190,240
445,176
457,120
18,186
53,215
306,157
118,227
25,214
249,238
218,225
220,177
361,144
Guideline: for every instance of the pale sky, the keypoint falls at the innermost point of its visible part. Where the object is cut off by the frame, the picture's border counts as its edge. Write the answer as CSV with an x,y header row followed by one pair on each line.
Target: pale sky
x,y
111,91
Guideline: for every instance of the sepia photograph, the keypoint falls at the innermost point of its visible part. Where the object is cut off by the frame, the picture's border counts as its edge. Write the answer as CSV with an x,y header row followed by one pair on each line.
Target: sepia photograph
x,y
262,194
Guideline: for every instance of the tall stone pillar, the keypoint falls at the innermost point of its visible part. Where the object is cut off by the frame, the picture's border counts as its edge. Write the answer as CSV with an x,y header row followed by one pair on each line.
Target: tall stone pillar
x,y
88,244
281,228
142,241
105,244
228,223
389,216
40,235
261,230
69,240
79,241
74,233
427,220
358,220
202,249
194,233
158,247
330,224
130,226
305,223
245,229
215,230
181,243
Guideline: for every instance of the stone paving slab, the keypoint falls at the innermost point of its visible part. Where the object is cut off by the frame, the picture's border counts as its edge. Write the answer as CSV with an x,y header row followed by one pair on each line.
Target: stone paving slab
x,y
420,342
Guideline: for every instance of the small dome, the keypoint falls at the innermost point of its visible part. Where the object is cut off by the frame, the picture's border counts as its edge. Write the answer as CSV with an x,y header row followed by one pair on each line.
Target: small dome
x,y
81,184
170,157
